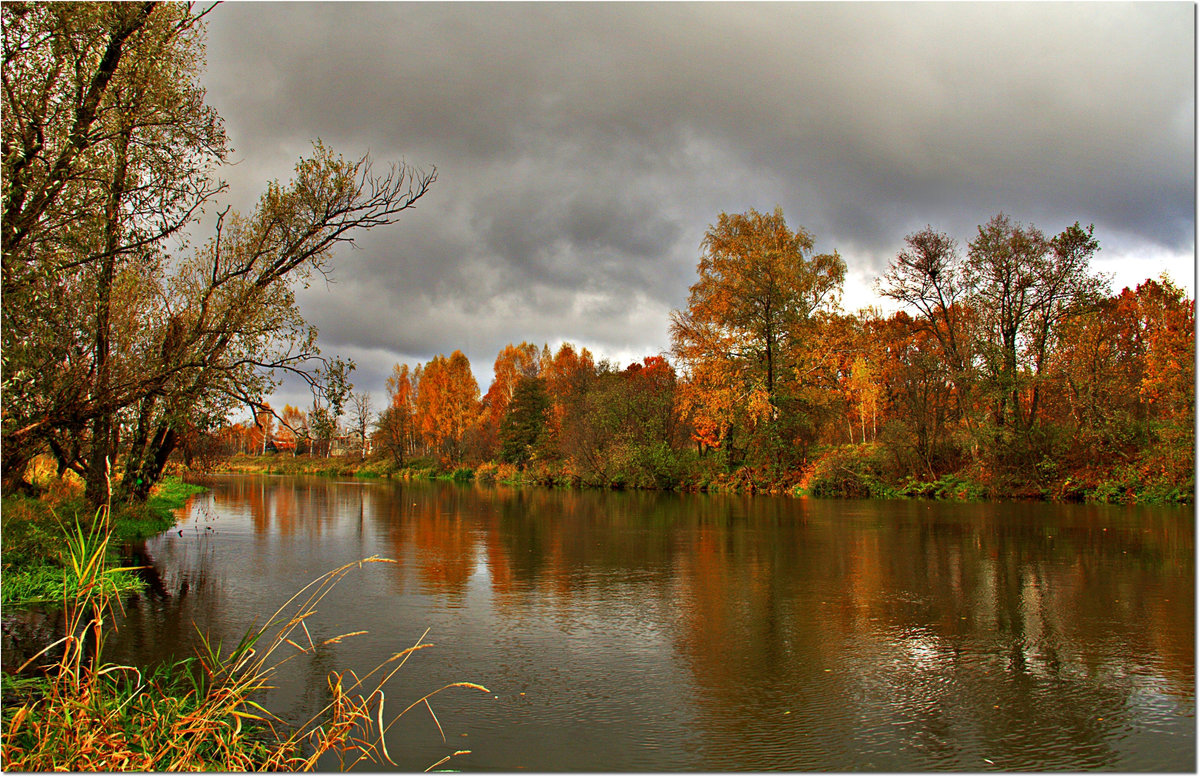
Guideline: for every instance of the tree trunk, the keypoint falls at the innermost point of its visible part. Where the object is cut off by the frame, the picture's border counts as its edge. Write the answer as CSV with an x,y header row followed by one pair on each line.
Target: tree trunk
x,y
15,459
140,479
104,431
137,445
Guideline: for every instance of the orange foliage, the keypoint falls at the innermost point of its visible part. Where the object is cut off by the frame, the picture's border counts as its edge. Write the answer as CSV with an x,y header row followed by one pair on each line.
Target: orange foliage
x,y
447,404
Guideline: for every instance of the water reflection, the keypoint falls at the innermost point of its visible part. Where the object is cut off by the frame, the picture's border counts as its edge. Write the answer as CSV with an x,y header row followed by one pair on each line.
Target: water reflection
x,y
655,631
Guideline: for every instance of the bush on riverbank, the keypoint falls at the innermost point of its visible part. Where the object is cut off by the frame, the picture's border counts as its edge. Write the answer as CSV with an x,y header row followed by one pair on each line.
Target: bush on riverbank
x,y
851,472
958,488
1129,484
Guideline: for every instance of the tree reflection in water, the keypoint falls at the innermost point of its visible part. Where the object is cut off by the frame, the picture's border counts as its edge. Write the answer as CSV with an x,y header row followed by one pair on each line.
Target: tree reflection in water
x,y
767,632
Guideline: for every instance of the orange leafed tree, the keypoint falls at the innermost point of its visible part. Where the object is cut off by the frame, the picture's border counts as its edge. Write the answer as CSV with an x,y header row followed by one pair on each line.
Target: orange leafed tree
x,y
293,430
447,404
1124,380
512,363
396,430
738,339
569,375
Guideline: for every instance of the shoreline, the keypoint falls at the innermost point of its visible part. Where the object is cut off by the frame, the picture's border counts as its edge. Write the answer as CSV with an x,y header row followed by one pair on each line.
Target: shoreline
x,y
745,480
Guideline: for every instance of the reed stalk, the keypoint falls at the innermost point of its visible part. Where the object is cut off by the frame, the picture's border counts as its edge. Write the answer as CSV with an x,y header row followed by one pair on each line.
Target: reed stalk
x,y
200,713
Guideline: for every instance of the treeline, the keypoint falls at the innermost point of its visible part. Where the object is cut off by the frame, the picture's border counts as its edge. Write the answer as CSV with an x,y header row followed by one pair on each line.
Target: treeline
x,y
1011,371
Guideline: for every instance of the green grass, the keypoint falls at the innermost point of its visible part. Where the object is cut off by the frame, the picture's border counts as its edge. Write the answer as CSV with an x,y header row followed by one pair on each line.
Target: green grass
x,y
48,584
139,522
35,569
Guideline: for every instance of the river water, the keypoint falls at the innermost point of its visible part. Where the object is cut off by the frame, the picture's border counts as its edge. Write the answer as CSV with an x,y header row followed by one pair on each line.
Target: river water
x,y
646,631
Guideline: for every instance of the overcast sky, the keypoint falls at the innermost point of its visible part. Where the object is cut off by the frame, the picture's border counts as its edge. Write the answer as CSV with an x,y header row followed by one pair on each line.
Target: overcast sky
x,y
583,149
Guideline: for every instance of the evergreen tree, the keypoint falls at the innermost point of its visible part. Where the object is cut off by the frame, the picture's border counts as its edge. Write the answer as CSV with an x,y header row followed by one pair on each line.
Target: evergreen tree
x,y
523,426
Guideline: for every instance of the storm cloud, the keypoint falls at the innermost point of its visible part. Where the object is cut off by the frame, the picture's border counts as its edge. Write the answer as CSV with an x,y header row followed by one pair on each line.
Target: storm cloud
x,y
583,148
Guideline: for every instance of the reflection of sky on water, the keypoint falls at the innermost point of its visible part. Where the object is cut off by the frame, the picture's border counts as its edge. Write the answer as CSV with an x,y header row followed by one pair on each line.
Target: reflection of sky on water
x,y
646,631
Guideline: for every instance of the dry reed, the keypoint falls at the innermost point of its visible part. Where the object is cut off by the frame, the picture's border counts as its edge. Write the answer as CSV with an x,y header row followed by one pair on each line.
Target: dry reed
x,y
197,714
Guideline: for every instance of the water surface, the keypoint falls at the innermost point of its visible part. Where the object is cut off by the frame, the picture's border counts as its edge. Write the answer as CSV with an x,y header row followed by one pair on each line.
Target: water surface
x,y
644,631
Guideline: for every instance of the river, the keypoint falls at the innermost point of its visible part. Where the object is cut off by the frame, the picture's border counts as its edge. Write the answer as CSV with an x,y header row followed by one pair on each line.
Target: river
x,y
648,631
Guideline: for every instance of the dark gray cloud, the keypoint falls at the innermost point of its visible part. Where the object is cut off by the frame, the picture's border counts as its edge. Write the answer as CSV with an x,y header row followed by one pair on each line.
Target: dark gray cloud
x,y
582,149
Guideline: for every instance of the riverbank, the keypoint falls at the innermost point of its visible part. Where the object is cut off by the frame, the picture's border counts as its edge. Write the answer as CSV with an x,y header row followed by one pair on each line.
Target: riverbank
x,y
67,708
35,543
845,472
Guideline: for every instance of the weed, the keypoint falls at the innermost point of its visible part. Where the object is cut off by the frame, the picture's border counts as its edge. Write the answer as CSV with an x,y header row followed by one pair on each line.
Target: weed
x,y
34,561
196,714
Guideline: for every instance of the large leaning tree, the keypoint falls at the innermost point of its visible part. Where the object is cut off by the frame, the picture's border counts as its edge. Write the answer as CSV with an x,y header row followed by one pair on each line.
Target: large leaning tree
x,y
113,348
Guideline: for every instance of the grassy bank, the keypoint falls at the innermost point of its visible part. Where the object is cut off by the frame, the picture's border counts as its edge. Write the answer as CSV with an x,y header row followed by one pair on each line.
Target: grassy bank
x,y
35,555
82,713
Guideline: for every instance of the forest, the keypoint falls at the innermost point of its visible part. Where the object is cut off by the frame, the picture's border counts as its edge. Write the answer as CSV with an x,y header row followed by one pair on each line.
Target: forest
x,y
1011,371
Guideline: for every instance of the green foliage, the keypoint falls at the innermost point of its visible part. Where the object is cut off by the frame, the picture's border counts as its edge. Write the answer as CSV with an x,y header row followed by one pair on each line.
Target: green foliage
x,y
136,521
523,428
851,472
948,487
50,584
1130,484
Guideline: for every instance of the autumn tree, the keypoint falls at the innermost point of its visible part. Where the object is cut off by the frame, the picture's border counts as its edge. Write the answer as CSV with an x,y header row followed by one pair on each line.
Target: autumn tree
x,y
447,404
1167,323
112,348
760,286
867,391
293,429
828,390
569,376
1123,382
396,429
920,409
513,363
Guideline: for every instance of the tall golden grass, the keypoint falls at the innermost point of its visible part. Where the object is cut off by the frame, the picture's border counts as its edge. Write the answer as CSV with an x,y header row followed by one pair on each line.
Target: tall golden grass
x,y
199,713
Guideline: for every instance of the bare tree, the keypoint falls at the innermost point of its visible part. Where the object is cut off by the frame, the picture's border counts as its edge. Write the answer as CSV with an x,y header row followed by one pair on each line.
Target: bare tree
x,y
361,419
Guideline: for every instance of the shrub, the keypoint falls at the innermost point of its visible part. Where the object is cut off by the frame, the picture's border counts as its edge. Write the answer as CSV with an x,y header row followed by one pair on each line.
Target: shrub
x,y
851,472
486,472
